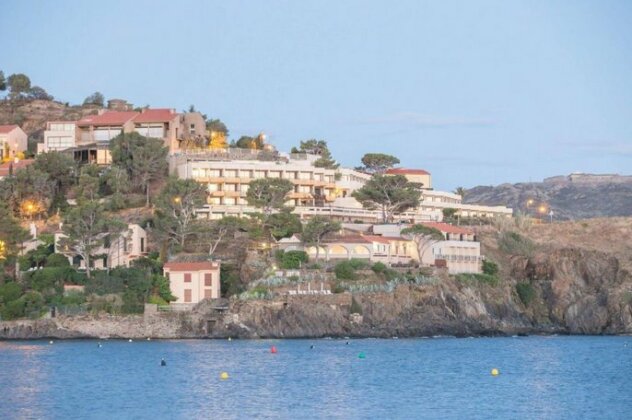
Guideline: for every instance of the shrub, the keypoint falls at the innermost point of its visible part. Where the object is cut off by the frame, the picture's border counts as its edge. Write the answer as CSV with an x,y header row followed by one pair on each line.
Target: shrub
x,y
57,260
293,278
344,271
157,300
359,264
525,291
291,260
379,268
338,288
515,244
478,277
10,292
490,267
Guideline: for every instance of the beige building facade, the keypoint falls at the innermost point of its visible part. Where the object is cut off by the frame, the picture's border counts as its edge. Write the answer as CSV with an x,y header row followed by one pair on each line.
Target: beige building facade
x,y
192,282
13,141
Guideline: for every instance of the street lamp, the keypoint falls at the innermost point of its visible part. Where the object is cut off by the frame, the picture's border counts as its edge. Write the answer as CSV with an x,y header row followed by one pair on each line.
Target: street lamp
x,y
177,200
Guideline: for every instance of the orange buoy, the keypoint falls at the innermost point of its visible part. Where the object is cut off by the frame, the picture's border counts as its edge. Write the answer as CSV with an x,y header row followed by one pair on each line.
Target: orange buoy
x,y
273,350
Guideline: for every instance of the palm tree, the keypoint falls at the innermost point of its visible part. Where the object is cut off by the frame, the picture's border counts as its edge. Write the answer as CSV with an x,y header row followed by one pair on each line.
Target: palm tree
x,y
460,191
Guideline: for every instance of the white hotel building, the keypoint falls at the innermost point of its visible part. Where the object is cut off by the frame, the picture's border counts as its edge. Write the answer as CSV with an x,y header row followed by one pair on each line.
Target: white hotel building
x,y
317,191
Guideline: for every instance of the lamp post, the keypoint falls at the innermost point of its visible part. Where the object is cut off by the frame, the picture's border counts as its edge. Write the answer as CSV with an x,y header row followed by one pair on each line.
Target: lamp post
x,y
551,216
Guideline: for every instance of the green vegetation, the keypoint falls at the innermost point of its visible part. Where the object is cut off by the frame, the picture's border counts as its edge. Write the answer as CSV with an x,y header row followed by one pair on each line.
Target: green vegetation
x,y
318,148
525,291
490,267
96,98
143,158
316,229
283,224
175,210
290,260
515,244
470,278
346,270
378,163
268,193
392,194
449,214
423,236
379,268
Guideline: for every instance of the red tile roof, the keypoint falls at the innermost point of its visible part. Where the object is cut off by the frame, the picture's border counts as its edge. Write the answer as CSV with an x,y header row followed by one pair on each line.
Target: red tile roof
x,y
155,115
375,238
21,164
4,129
404,171
107,118
190,266
447,228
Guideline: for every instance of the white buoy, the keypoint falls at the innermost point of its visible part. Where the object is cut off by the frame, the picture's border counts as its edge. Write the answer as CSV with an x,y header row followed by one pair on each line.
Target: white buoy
x,y
130,340
50,342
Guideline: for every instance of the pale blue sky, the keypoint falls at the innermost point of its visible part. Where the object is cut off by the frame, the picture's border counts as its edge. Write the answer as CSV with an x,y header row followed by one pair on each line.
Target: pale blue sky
x,y
476,92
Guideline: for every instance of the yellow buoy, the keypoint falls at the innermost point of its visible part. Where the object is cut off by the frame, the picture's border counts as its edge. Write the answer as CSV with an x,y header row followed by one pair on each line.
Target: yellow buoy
x,y
223,375
495,372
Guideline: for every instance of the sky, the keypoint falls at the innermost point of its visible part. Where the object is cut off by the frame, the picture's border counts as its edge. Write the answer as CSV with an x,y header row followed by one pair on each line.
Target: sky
x,y
477,93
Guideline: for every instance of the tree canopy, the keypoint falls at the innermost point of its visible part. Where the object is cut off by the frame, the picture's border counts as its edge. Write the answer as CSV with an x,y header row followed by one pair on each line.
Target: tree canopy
x,y
316,229
86,227
3,82
175,209
268,193
378,162
392,194
318,148
216,125
144,158
37,92
96,98
19,84
423,236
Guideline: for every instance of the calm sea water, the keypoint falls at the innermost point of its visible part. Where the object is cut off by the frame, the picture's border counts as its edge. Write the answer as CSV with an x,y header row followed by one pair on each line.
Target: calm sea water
x,y
540,377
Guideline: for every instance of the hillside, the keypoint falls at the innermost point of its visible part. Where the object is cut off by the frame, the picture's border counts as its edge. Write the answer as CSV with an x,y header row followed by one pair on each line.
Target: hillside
x,y
32,115
564,278
577,196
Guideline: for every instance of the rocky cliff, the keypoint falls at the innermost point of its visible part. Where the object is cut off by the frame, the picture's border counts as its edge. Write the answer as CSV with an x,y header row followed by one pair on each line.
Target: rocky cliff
x,y
577,196
575,279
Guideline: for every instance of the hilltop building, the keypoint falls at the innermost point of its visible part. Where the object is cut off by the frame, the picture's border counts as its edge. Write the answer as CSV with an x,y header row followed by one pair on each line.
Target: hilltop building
x,y
13,140
89,138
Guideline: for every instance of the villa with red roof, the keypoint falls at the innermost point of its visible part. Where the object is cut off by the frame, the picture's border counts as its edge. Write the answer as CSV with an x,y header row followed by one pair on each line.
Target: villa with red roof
x,y
13,140
191,282
89,138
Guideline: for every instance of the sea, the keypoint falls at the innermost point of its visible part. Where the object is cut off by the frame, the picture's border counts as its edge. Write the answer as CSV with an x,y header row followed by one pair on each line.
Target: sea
x,y
539,377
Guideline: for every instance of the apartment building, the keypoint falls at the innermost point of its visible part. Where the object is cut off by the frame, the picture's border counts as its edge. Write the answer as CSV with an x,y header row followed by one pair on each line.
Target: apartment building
x,y
191,282
13,140
227,176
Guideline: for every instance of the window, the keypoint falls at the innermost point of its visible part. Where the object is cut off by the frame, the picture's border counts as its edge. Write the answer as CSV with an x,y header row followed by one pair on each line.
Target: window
x,y
208,279
208,294
187,277
192,129
187,295
142,244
